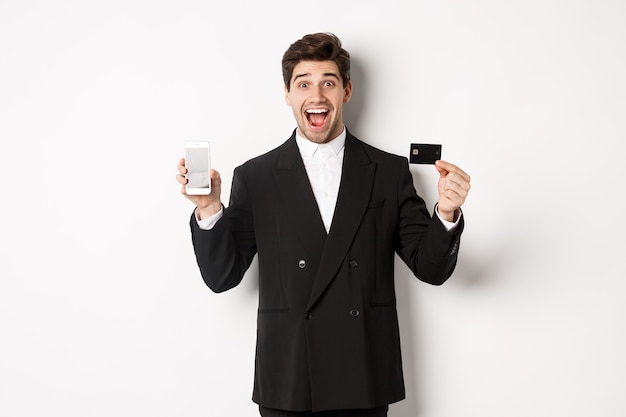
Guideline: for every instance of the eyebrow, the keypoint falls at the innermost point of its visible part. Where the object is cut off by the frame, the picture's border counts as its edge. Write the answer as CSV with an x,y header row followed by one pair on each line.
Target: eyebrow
x,y
326,74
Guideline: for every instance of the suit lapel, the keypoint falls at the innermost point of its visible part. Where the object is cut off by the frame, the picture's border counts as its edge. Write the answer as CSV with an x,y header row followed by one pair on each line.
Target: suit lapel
x,y
298,199
354,195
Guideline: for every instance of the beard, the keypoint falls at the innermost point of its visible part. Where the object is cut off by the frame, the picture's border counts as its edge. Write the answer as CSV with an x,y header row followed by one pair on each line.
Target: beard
x,y
332,129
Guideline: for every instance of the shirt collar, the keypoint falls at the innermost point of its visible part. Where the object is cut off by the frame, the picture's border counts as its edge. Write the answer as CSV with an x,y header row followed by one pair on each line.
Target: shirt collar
x,y
308,148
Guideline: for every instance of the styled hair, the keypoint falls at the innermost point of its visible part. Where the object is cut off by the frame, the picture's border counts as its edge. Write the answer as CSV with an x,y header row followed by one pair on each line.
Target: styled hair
x,y
316,47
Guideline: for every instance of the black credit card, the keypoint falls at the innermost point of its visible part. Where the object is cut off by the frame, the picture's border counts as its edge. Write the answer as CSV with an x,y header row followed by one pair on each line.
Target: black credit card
x,y
424,153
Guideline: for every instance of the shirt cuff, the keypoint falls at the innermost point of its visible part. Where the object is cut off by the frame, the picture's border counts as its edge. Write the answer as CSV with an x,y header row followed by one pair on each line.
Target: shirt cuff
x,y
449,225
209,222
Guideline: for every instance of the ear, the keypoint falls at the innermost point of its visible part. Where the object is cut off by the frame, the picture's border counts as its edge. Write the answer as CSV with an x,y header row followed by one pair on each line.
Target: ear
x,y
347,92
287,100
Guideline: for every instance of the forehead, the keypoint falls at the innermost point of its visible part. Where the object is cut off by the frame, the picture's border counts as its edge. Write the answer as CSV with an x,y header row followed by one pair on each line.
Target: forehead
x,y
315,69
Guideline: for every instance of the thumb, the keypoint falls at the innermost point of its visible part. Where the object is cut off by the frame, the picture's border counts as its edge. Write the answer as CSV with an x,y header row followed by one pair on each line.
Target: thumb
x,y
440,166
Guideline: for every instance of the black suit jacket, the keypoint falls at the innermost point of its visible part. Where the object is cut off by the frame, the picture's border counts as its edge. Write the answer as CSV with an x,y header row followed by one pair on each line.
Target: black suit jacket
x,y
327,322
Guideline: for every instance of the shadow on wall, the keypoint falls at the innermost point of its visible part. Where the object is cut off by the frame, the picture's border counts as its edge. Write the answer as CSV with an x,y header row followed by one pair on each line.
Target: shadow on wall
x,y
354,109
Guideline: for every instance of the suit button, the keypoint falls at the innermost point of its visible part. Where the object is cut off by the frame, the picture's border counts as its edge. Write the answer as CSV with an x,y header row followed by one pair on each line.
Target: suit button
x,y
354,263
308,315
355,313
301,264
455,248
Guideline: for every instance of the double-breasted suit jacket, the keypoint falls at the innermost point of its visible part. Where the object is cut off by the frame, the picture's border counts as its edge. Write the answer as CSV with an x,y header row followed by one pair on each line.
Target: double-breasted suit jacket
x,y
327,333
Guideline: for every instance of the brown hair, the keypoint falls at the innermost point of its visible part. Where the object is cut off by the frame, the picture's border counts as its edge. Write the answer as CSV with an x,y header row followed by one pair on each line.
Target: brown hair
x,y
316,47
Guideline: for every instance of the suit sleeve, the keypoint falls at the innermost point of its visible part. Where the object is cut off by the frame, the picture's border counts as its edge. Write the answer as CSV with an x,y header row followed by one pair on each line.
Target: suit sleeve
x,y
225,252
424,244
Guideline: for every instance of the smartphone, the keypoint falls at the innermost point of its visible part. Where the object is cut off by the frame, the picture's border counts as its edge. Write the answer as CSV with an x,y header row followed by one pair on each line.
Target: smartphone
x,y
198,164
424,153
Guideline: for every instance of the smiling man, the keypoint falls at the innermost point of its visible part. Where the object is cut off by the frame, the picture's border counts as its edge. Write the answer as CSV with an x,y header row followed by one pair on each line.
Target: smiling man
x,y
316,94
325,213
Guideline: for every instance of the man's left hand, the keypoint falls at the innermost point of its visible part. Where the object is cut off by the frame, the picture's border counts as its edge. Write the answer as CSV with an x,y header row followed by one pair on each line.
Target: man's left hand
x,y
453,187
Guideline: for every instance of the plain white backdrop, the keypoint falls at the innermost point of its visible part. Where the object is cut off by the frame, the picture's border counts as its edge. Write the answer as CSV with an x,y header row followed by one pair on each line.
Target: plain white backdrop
x,y
102,309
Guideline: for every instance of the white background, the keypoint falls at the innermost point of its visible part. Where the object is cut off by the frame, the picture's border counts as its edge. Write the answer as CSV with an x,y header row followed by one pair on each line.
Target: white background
x,y
102,308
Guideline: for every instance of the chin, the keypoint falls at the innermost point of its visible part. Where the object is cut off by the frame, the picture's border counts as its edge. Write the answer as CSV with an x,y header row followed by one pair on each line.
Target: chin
x,y
319,137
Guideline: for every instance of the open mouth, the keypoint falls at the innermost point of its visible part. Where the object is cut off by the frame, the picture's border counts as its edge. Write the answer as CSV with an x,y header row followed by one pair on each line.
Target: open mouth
x,y
316,117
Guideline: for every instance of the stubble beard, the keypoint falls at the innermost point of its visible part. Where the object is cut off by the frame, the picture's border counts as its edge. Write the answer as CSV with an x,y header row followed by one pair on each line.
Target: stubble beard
x,y
320,137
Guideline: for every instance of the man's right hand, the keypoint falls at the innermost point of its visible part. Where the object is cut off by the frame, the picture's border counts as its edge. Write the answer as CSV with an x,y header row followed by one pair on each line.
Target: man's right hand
x,y
207,205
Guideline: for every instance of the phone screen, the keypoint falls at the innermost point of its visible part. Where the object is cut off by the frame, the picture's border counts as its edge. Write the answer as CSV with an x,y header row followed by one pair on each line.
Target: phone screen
x,y
197,162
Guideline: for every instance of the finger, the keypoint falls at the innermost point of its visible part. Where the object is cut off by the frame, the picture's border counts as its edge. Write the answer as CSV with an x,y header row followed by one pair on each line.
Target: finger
x,y
181,166
466,177
459,180
442,165
216,180
454,191
453,197
181,179
441,170
456,183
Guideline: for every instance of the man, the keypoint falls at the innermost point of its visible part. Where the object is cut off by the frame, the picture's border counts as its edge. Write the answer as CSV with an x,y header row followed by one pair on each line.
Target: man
x,y
325,213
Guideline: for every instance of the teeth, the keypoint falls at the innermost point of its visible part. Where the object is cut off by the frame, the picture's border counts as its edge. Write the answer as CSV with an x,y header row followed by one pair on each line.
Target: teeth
x,y
317,111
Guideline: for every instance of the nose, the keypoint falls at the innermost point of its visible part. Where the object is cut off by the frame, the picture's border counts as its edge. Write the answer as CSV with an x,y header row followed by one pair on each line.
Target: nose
x,y
317,95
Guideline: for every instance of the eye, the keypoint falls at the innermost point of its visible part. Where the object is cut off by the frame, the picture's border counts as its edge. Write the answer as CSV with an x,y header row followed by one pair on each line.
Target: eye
x,y
303,85
329,84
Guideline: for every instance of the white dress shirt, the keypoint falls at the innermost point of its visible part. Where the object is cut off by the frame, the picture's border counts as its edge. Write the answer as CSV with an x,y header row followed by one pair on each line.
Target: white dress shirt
x,y
323,164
